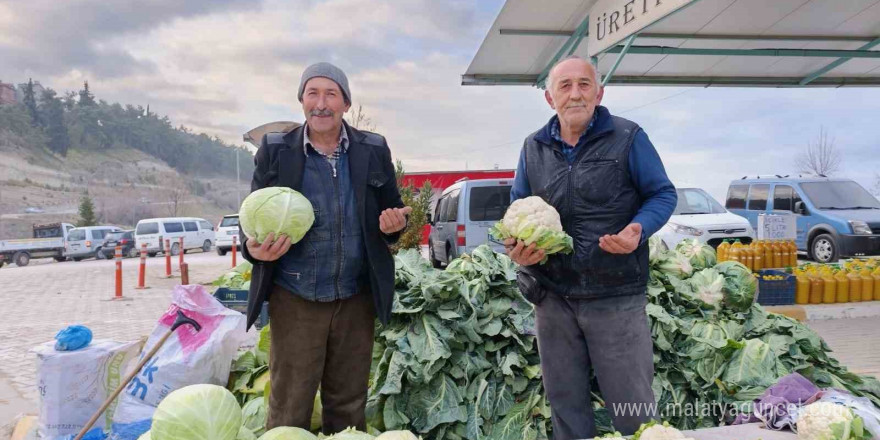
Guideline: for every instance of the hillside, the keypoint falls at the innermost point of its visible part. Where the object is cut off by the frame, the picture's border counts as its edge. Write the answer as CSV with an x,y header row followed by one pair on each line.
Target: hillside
x,y
125,184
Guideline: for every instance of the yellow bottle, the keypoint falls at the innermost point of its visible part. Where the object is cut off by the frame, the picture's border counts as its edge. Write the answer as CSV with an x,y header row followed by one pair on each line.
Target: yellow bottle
x,y
876,275
842,286
747,257
802,293
867,285
855,286
758,256
794,253
830,293
733,254
722,251
777,254
817,290
768,254
785,252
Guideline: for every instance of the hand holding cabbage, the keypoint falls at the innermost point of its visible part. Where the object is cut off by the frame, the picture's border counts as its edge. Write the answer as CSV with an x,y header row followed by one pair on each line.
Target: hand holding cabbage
x,y
274,219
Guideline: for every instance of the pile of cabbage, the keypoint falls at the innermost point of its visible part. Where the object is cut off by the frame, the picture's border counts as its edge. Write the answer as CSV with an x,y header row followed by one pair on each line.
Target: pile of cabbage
x,y
532,220
210,412
713,345
459,358
238,278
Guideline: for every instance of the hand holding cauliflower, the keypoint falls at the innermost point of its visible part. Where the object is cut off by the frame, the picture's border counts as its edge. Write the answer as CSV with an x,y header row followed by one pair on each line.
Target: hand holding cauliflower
x,y
536,224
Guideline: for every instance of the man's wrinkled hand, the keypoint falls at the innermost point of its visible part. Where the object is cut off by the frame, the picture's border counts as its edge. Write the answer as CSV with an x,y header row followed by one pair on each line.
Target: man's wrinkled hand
x,y
624,242
271,249
522,254
393,220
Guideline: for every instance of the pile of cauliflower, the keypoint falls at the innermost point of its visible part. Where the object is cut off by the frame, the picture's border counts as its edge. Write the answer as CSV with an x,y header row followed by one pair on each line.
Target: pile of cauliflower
x,y
650,431
533,220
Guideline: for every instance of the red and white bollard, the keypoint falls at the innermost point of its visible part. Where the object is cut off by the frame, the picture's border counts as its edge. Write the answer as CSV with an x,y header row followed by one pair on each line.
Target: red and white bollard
x,y
167,258
118,272
180,254
234,246
142,271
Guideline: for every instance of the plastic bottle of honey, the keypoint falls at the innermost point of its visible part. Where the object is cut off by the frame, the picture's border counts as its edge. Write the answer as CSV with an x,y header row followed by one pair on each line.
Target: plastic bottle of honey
x,y
734,253
758,256
817,290
768,254
794,253
855,285
721,252
802,293
785,252
777,254
747,258
867,285
830,293
876,275
842,286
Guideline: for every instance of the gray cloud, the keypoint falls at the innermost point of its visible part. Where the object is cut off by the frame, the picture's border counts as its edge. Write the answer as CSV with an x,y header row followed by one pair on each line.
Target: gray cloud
x,y
49,37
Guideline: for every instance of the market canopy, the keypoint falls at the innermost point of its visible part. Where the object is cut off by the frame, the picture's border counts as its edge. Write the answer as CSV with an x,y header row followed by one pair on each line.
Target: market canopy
x,y
744,43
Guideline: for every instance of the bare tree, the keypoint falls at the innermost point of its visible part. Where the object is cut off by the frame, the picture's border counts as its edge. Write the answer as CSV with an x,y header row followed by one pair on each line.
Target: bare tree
x,y
175,199
358,119
820,157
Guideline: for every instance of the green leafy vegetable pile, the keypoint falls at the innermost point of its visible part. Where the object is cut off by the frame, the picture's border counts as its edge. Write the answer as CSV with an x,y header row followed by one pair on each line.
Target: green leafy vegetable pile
x,y
236,279
458,359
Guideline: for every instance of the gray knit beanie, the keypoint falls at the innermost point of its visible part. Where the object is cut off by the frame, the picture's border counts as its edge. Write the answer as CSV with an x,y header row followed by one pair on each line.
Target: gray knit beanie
x,y
325,70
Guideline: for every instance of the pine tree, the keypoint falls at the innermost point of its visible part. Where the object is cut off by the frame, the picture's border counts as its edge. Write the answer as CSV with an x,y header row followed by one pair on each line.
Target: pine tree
x,y
86,211
52,113
86,98
30,101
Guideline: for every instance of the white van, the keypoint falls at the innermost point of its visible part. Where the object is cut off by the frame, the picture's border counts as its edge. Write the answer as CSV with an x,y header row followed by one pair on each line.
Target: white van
x,y
197,233
463,216
698,215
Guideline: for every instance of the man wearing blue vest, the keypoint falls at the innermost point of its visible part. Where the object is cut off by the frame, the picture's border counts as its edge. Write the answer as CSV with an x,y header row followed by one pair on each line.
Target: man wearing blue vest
x,y
327,289
607,182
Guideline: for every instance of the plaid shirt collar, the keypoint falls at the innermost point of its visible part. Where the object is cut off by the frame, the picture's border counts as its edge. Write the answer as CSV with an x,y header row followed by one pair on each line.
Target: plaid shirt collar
x,y
341,146
556,132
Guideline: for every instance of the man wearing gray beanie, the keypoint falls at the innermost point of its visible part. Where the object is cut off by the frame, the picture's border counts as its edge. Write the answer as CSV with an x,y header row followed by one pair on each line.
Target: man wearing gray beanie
x,y
327,289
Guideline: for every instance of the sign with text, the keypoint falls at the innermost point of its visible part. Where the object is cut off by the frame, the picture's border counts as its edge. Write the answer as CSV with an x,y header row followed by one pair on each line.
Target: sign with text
x,y
612,21
777,227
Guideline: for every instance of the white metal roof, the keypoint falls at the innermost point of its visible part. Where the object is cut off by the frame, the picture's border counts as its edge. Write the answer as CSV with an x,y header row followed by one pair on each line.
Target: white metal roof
x,y
815,37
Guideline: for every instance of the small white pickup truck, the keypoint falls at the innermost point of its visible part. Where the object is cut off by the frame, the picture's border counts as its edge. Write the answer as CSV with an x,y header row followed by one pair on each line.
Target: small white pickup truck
x,y
48,242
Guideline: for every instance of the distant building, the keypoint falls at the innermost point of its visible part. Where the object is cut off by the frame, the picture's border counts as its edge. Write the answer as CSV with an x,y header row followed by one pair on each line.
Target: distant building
x,y
38,91
7,93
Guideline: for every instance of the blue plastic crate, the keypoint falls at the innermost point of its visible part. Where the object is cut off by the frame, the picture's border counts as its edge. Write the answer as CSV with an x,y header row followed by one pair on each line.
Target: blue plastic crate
x,y
237,300
776,292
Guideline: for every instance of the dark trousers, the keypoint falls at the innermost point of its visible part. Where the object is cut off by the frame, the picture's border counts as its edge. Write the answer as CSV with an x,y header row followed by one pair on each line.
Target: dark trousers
x,y
327,344
609,335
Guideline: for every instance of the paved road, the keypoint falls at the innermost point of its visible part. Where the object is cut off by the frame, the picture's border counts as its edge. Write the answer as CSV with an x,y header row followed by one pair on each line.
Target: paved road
x,y
40,299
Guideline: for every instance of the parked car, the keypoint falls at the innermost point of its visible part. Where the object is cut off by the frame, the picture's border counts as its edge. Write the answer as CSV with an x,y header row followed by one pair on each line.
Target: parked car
x,y
698,215
227,229
463,216
48,242
87,242
124,239
835,217
197,233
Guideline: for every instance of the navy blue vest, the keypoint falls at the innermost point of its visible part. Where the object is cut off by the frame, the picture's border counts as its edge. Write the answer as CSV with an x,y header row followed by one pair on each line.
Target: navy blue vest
x,y
595,196
327,264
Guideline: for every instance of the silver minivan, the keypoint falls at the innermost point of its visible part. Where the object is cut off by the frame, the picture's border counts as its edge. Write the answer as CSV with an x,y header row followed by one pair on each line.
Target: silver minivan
x,y
86,242
463,216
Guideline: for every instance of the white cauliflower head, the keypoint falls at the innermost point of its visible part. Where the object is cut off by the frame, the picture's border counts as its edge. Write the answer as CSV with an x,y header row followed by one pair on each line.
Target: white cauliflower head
x,y
656,431
829,421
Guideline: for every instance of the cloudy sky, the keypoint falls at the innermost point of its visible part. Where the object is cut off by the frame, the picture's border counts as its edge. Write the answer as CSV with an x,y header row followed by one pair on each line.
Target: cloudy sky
x,y
225,66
